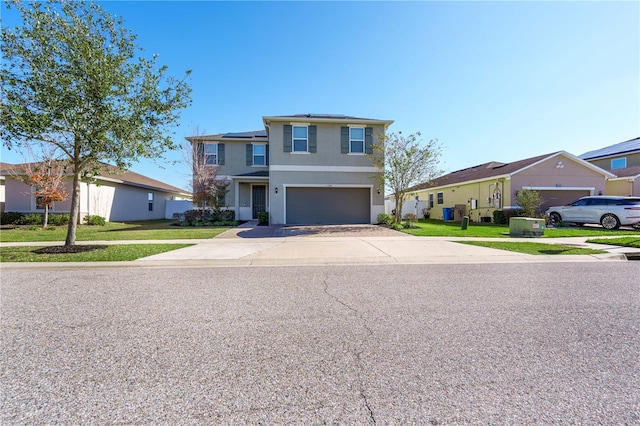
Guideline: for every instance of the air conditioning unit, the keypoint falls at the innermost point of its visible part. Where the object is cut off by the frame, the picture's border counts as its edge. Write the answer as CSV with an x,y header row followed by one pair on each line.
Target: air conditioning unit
x,y
526,227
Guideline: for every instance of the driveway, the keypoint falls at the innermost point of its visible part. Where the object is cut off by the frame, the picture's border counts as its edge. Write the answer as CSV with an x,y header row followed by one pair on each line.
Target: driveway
x,y
251,229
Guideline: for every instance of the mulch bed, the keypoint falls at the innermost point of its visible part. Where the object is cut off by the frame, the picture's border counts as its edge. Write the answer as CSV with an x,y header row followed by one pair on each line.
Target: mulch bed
x,y
68,249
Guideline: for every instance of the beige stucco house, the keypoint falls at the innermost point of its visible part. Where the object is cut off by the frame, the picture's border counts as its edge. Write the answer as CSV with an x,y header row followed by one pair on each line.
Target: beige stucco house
x,y
477,191
301,169
115,195
623,160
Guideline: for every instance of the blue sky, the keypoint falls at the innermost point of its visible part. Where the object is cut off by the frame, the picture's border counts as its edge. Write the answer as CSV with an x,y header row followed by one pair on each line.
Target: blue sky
x,y
491,80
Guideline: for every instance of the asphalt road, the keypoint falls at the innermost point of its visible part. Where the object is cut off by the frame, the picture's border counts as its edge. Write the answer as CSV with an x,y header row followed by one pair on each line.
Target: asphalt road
x,y
402,344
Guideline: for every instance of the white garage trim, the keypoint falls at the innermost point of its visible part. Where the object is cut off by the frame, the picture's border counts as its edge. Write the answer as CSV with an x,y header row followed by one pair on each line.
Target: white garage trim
x,y
591,189
332,169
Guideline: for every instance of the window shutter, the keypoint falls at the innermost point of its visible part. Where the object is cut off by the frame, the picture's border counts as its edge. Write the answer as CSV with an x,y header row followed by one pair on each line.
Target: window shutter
x,y
313,138
344,140
249,148
266,160
368,140
221,154
288,137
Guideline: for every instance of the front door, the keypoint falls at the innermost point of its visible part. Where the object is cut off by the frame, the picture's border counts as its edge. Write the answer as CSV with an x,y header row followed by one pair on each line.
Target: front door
x,y
258,199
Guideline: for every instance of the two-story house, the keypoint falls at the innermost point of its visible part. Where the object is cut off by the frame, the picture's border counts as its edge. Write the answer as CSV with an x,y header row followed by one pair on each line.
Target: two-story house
x,y
623,160
302,169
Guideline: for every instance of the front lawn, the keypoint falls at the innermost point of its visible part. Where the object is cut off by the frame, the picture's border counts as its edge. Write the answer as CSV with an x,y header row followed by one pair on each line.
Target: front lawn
x,y
439,228
112,231
533,248
620,241
113,253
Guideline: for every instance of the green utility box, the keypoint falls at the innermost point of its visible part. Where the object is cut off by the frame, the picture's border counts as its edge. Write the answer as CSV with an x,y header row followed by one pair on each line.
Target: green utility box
x,y
526,227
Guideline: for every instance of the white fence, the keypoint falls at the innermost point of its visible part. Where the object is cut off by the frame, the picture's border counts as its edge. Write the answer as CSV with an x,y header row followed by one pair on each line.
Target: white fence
x,y
409,206
176,206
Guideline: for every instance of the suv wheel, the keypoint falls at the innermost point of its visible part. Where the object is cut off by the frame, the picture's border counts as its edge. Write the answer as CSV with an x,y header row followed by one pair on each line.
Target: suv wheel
x,y
609,221
556,218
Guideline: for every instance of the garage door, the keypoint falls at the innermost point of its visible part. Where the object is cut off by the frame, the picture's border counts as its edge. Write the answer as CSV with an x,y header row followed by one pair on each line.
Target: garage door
x,y
560,197
311,206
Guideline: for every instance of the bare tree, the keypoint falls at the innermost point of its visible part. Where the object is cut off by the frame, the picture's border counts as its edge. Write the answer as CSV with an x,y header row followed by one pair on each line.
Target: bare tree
x,y
45,173
405,161
208,188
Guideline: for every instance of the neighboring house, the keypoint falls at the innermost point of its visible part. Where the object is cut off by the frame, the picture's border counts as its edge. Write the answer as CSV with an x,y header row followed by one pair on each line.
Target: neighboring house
x,y
614,157
622,159
302,169
115,195
477,191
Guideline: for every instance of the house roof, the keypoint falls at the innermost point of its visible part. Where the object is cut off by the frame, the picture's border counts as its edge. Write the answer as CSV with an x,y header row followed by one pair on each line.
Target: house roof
x,y
112,174
248,135
633,171
262,173
495,169
325,118
632,145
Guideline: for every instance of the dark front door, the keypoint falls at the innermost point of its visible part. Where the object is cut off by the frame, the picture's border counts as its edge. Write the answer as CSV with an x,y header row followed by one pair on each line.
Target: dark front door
x,y
258,199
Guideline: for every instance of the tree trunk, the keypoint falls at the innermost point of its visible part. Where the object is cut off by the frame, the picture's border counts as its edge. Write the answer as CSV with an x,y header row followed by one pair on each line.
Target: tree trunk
x,y
399,199
75,210
45,218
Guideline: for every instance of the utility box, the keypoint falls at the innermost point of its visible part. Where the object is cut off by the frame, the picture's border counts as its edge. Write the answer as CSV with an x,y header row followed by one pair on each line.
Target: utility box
x,y
526,227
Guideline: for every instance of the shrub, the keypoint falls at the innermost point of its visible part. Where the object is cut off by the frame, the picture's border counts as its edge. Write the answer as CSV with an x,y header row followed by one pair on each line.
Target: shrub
x,y
94,220
499,217
59,219
530,202
397,226
31,219
192,216
409,225
263,218
410,217
227,215
385,219
10,218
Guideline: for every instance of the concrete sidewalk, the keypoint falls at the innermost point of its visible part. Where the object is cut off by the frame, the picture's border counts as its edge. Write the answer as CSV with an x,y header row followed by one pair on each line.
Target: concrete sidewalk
x,y
250,245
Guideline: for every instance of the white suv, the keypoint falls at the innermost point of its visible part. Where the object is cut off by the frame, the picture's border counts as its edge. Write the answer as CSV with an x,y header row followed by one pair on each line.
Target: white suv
x,y
608,211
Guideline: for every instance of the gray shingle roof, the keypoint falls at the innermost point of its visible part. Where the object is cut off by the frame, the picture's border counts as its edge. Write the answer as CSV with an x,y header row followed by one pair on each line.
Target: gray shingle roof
x,y
627,172
482,171
109,172
631,145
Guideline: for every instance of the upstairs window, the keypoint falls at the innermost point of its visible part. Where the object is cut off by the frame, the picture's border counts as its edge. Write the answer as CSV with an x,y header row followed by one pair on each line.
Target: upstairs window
x,y
211,154
300,138
259,155
356,140
619,163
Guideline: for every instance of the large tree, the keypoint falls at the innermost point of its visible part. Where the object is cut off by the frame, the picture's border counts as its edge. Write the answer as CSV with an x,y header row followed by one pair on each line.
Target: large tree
x,y
405,161
73,76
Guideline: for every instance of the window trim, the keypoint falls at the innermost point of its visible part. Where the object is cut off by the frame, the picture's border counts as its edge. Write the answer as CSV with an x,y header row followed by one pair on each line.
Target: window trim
x,y
150,197
351,140
621,159
440,197
431,200
205,154
254,155
294,139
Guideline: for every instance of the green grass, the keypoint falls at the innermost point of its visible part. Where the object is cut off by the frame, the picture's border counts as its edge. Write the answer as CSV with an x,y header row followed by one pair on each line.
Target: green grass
x,y
533,248
621,241
438,228
113,253
113,231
